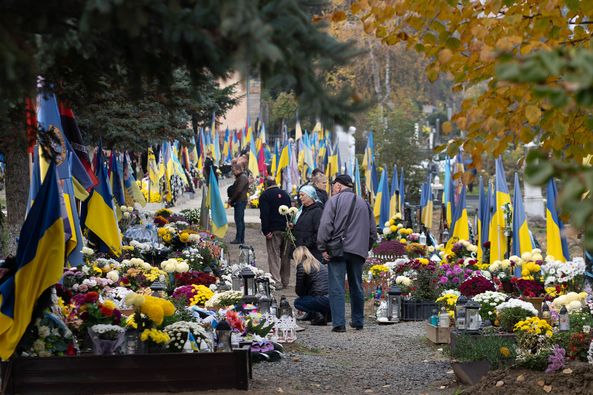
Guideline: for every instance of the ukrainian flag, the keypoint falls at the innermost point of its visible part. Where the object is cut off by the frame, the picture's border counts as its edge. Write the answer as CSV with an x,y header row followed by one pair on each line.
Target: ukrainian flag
x,y
226,149
115,178
49,115
333,166
394,201
253,162
427,204
448,200
153,169
298,132
402,194
75,242
498,243
132,191
381,207
282,163
482,207
460,222
357,178
39,264
217,211
374,178
521,236
99,214
556,242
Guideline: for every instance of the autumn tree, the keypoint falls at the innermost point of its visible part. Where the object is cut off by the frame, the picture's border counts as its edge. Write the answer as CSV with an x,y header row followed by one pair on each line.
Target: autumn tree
x,y
465,39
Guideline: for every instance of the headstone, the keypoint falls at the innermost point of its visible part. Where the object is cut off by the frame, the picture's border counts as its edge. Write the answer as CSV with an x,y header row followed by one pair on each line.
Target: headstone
x,y
533,201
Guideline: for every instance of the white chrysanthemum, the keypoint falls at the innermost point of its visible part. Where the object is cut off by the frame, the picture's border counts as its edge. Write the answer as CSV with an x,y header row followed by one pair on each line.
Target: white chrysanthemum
x,y
87,251
283,209
182,267
113,276
386,231
293,210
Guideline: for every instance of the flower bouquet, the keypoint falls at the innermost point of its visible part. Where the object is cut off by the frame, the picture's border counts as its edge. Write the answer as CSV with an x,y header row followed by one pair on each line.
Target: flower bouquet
x,y
512,311
179,334
390,247
289,214
489,301
107,339
155,340
475,284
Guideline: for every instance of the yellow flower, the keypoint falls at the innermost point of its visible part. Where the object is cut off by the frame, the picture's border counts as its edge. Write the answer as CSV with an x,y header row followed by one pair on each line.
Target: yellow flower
x,y
128,248
97,270
533,325
184,237
393,228
167,237
109,304
403,241
202,295
423,261
162,231
155,336
392,222
505,352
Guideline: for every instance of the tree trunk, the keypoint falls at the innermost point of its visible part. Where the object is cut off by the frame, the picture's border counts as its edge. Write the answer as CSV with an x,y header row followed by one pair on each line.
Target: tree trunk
x,y
17,187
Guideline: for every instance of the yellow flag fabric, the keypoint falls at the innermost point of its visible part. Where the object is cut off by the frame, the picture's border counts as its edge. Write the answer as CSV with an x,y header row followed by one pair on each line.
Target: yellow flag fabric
x,y
40,264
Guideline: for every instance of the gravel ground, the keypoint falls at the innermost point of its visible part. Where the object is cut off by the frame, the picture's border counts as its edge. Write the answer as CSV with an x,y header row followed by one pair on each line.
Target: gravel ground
x,y
388,359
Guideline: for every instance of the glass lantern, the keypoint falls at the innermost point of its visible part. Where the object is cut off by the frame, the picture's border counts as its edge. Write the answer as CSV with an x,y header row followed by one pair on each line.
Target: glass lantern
x,y
394,303
236,283
472,316
223,337
249,288
460,316
263,286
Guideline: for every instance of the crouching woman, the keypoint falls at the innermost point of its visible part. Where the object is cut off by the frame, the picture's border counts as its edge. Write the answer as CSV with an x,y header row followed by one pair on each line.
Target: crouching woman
x,y
311,286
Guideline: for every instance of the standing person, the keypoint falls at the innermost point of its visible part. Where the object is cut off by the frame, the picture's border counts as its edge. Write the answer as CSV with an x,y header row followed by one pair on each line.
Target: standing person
x,y
208,163
346,233
319,181
238,200
307,220
273,226
311,286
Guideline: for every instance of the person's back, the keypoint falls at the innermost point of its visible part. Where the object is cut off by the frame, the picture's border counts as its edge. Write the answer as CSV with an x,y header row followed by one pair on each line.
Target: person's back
x,y
269,203
273,225
346,233
313,283
311,286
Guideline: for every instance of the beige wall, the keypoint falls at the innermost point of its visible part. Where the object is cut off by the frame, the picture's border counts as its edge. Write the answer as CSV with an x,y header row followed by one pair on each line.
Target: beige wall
x,y
237,116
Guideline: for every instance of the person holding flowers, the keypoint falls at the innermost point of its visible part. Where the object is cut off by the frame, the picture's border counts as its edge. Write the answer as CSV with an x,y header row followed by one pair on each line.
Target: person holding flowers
x,y
274,226
306,221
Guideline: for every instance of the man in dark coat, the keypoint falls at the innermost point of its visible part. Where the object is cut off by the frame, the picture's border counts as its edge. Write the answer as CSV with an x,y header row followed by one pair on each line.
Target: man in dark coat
x,y
273,226
238,199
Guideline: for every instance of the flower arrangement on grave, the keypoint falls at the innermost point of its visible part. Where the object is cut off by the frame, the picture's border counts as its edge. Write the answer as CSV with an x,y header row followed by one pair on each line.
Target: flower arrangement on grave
x,y
156,309
390,247
476,284
563,276
527,287
489,301
48,336
448,299
194,277
224,299
179,332
513,311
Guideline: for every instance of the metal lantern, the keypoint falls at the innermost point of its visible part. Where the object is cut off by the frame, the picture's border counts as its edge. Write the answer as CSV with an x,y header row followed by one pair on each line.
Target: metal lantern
x,y
394,304
236,283
472,316
249,289
158,288
460,321
445,236
263,286
223,337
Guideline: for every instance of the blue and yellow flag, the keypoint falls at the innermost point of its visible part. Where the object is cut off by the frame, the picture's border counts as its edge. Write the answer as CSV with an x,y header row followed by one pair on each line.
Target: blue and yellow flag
x,y
357,184
74,242
426,204
460,222
394,200
39,264
498,241
115,178
283,163
253,165
99,213
556,242
217,211
521,236
49,115
482,207
402,194
132,191
448,193
381,207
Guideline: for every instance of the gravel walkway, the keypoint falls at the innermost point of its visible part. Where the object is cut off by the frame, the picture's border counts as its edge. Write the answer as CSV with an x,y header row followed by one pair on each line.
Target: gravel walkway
x,y
387,359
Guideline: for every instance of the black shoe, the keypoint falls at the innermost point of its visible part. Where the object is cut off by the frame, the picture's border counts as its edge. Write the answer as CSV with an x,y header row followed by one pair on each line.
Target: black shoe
x,y
235,242
305,317
339,329
318,320
357,327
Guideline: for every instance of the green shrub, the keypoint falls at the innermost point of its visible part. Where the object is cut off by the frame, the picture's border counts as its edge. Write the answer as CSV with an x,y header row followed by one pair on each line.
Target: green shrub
x,y
498,350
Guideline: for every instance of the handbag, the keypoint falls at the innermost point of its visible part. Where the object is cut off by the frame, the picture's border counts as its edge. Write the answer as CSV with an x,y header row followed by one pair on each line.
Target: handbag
x,y
335,247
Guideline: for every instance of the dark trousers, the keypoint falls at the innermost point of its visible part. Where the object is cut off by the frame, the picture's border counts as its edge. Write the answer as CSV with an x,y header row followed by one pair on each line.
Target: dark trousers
x,y
312,304
240,220
338,268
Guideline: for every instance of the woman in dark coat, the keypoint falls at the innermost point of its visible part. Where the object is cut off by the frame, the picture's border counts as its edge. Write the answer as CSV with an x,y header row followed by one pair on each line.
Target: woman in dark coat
x,y
307,221
311,286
